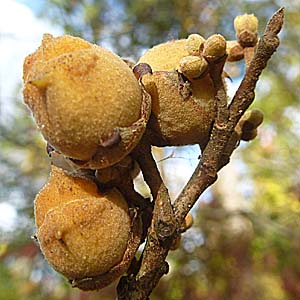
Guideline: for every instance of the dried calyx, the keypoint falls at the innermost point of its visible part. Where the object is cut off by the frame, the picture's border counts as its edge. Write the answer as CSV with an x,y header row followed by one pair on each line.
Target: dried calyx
x,y
86,101
88,237
235,51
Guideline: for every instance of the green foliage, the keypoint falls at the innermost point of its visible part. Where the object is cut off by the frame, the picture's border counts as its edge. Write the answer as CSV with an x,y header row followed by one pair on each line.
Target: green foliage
x,y
7,287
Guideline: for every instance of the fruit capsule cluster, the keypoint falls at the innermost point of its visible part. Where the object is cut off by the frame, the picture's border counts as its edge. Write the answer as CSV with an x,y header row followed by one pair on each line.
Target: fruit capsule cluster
x,y
92,108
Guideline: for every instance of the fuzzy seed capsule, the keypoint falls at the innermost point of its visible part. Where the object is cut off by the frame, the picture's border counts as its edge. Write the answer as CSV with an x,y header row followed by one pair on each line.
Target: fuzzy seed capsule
x,y
84,234
177,120
85,100
182,110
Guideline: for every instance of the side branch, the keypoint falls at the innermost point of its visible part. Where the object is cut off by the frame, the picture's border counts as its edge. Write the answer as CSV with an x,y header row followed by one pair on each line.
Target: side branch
x,y
267,45
159,239
213,157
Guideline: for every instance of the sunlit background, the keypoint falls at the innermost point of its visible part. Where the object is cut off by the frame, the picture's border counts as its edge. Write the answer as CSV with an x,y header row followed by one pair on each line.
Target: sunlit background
x,y
245,243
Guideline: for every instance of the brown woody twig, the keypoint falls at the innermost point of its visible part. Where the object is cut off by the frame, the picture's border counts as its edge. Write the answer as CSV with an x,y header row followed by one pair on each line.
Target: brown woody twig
x,y
217,153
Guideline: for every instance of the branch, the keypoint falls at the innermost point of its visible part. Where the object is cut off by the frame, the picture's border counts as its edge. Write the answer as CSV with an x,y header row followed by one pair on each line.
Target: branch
x,y
152,262
267,45
216,154
163,217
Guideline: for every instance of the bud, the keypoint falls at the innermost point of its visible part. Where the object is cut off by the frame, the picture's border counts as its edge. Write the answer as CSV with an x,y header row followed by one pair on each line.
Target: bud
x,y
249,135
176,243
194,43
246,30
252,119
249,123
193,67
214,47
187,223
234,51
246,23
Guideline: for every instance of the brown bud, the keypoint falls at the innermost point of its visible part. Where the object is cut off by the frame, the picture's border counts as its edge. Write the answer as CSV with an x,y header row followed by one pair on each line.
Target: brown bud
x,y
176,243
187,223
252,119
249,135
246,30
234,51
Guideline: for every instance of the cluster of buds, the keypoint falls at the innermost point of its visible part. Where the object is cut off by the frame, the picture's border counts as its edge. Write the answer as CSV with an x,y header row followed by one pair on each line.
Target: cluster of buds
x,y
181,86
92,108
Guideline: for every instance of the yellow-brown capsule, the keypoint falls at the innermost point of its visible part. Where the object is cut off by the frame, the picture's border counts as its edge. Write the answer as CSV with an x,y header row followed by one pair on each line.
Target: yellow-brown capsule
x,y
165,56
182,110
177,118
85,101
82,233
52,47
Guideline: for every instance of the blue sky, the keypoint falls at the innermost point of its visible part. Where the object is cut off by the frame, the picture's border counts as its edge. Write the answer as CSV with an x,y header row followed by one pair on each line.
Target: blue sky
x,y
20,34
34,5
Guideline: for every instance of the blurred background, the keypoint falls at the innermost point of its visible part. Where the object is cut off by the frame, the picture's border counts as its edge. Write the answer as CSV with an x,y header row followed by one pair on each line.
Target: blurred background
x,y
245,242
